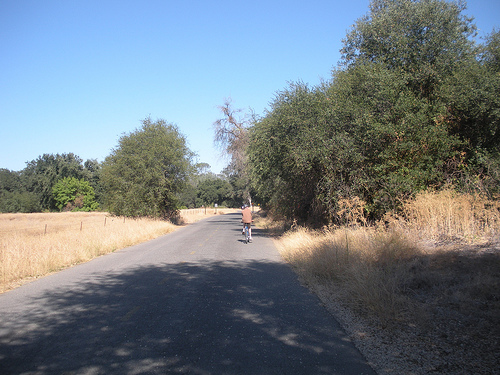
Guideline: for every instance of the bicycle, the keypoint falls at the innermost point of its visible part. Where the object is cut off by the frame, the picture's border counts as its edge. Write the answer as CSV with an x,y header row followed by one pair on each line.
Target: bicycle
x,y
246,233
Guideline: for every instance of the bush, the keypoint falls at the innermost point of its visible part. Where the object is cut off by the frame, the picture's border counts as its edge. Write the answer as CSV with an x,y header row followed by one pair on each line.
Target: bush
x,y
72,194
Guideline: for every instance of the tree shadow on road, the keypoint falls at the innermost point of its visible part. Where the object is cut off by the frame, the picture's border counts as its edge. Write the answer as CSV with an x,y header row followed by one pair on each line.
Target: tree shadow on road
x,y
245,317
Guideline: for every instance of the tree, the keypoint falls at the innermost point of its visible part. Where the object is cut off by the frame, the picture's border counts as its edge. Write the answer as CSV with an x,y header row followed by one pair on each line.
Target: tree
x,y
231,136
395,119
41,174
472,98
400,145
422,40
287,152
13,196
72,194
472,101
491,51
399,62
214,191
410,35
9,180
92,172
31,190
145,173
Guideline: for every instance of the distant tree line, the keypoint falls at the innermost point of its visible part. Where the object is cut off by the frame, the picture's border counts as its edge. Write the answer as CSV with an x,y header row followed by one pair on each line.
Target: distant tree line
x,y
31,190
413,105
150,173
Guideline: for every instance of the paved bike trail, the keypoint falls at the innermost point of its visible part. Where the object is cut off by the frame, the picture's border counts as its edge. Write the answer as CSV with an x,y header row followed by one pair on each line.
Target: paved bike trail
x,y
196,301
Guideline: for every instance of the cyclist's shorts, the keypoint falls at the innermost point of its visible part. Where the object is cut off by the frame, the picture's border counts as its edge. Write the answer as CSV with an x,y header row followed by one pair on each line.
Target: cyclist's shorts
x,y
248,225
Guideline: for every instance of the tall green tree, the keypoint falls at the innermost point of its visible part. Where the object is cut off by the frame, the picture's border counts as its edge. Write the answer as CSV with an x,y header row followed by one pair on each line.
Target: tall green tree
x,y
424,40
472,101
13,195
214,191
471,95
32,191
413,104
40,175
145,173
287,151
401,145
399,61
92,173
491,51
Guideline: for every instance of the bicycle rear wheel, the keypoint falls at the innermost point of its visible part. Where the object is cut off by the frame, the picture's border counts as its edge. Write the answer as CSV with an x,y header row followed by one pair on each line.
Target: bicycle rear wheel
x,y
247,235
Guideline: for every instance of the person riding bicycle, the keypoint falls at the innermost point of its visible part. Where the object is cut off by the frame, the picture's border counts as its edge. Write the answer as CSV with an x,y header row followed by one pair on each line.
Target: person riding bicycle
x,y
246,219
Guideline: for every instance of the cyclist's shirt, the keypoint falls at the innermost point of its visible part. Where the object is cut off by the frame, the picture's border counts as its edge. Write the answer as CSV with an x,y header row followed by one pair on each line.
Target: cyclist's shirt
x,y
247,215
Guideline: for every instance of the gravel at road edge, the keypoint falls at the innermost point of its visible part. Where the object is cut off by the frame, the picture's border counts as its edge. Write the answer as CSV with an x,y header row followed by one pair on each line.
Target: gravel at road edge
x,y
406,350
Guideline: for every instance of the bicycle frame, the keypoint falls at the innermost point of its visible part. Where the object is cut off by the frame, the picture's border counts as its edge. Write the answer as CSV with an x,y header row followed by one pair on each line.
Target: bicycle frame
x,y
246,234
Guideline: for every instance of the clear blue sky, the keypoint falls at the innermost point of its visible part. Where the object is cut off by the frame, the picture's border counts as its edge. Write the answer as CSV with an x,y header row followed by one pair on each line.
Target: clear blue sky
x,y
76,75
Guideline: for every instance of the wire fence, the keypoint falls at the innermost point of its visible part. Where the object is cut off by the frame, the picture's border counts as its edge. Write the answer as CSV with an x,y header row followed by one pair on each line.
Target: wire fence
x,y
203,210
48,225
51,227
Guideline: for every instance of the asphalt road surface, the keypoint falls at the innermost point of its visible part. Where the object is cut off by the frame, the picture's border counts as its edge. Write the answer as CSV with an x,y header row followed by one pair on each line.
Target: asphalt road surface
x,y
196,301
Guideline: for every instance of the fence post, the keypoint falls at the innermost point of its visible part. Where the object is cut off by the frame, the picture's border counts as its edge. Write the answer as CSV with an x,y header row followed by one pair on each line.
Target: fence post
x,y
45,232
347,246
81,225
3,271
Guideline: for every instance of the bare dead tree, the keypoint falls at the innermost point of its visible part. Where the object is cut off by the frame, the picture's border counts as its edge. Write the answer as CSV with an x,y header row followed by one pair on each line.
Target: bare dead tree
x,y
231,137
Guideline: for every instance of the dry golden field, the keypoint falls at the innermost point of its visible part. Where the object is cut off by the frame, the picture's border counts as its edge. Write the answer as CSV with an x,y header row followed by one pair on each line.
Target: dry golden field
x,y
34,245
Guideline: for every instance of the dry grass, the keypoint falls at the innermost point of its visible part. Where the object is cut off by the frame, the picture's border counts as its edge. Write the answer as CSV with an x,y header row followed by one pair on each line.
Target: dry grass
x,y
34,245
272,227
371,266
447,215
438,272
380,267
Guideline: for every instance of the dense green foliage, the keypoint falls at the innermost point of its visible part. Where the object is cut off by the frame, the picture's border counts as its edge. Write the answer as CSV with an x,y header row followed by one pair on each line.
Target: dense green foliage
x,y
63,182
13,195
207,190
72,194
30,190
145,173
413,105
287,162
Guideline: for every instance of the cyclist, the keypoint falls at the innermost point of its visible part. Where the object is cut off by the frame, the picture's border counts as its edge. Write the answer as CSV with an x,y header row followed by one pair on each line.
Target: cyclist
x,y
246,219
